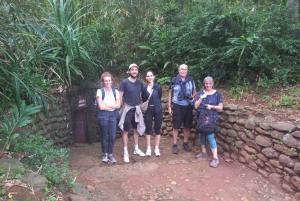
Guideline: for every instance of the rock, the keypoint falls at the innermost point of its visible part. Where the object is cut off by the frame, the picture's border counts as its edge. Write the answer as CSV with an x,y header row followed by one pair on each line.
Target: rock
x,y
287,188
275,179
261,157
296,134
240,121
261,131
289,171
296,181
270,153
283,126
286,161
285,150
242,136
231,107
239,144
13,165
231,119
38,182
276,134
250,124
232,133
297,196
236,127
250,150
252,143
289,140
263,141
263,173
265,126
275,163
297,168
73,197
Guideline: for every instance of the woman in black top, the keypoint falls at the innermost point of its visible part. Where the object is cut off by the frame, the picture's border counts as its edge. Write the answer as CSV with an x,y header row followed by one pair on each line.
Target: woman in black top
x,y
154,111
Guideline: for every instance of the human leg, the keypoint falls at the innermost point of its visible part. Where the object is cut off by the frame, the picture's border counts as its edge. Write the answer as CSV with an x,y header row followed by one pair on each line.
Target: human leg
x,y
213,145
148,123
112,132
137,151
187,113
203,152
103,118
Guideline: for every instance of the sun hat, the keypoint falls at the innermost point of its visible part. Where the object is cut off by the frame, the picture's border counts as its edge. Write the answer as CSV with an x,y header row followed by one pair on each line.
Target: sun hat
x,y
133,65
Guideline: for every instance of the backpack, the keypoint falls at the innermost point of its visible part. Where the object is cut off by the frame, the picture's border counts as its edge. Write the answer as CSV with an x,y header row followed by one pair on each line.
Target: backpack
x,y
96,108
206,123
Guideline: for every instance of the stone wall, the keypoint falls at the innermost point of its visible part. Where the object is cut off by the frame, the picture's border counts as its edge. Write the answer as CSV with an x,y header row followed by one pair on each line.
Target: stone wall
x,y
257,138
260,140
57,126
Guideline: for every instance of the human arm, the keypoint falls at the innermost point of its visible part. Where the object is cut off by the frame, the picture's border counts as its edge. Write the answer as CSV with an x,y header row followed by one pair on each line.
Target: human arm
x,y
216,107
121,98
198,102
170,101
159,90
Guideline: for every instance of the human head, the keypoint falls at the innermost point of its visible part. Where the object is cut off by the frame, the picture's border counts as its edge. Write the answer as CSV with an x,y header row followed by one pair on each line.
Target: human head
x,y
183,70
106,79
133,70
150,76
208,82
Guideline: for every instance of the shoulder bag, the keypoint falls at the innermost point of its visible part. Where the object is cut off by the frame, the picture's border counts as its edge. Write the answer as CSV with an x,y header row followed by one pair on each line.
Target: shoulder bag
x,y
144,105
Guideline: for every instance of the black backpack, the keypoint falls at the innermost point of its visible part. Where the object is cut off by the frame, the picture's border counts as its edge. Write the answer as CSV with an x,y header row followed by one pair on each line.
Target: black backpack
x,y
206,123
96,108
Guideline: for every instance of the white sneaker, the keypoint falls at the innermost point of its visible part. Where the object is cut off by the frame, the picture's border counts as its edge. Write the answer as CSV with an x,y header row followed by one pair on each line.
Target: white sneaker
x,y
156,152
148,152
138,152
126,157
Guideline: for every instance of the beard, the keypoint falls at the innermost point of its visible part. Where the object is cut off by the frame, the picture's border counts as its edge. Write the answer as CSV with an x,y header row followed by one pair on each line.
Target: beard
x,y
133,76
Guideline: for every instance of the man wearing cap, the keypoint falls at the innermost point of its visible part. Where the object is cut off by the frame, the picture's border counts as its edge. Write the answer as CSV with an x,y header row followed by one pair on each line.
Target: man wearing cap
x,y
131,115
182,91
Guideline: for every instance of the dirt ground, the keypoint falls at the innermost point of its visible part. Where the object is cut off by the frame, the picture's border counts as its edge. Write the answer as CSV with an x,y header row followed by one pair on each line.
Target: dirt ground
x,y
168,177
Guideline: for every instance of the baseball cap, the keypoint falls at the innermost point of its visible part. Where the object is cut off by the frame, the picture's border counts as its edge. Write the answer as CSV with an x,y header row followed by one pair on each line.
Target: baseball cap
x,y
133,65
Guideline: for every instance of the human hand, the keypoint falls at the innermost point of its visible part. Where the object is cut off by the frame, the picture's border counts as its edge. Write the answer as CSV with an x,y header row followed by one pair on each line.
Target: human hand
x,y
208,106
203,96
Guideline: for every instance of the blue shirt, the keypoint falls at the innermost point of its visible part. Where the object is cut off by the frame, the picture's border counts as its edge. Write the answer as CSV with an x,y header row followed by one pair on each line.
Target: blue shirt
x,y
190,85
213,99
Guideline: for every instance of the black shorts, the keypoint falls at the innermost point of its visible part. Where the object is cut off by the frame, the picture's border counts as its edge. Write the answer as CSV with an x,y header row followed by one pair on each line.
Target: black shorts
x,y
130,120
182,114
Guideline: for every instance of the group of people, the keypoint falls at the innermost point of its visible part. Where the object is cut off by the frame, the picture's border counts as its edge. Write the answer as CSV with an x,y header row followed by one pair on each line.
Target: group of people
x,y
183,98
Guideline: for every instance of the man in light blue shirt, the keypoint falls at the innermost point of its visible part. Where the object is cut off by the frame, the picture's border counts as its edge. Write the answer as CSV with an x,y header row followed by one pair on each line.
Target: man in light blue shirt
x,y
182,91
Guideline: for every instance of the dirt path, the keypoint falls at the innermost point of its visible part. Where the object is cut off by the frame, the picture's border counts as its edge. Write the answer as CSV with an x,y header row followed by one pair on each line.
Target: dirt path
x,y
169,177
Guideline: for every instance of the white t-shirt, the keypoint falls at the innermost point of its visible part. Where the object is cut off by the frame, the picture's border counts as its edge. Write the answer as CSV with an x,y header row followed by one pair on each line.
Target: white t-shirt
x,y
108,98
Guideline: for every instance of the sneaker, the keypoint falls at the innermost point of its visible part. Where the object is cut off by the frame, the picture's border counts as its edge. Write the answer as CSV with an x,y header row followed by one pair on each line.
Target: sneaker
x,y
105,159
186,147
126,157
148,152
156,152
215,162
202,155
174,149
138,152
112,159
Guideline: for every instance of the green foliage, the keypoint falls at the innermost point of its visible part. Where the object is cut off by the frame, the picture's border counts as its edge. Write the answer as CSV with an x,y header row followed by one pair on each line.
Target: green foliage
x,y
19,118
286,101
239,92
52,161
2,178
164,80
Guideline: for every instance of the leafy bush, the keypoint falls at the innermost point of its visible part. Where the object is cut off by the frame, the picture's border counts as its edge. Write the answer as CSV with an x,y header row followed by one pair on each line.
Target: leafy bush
x,y
19,118
41,155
